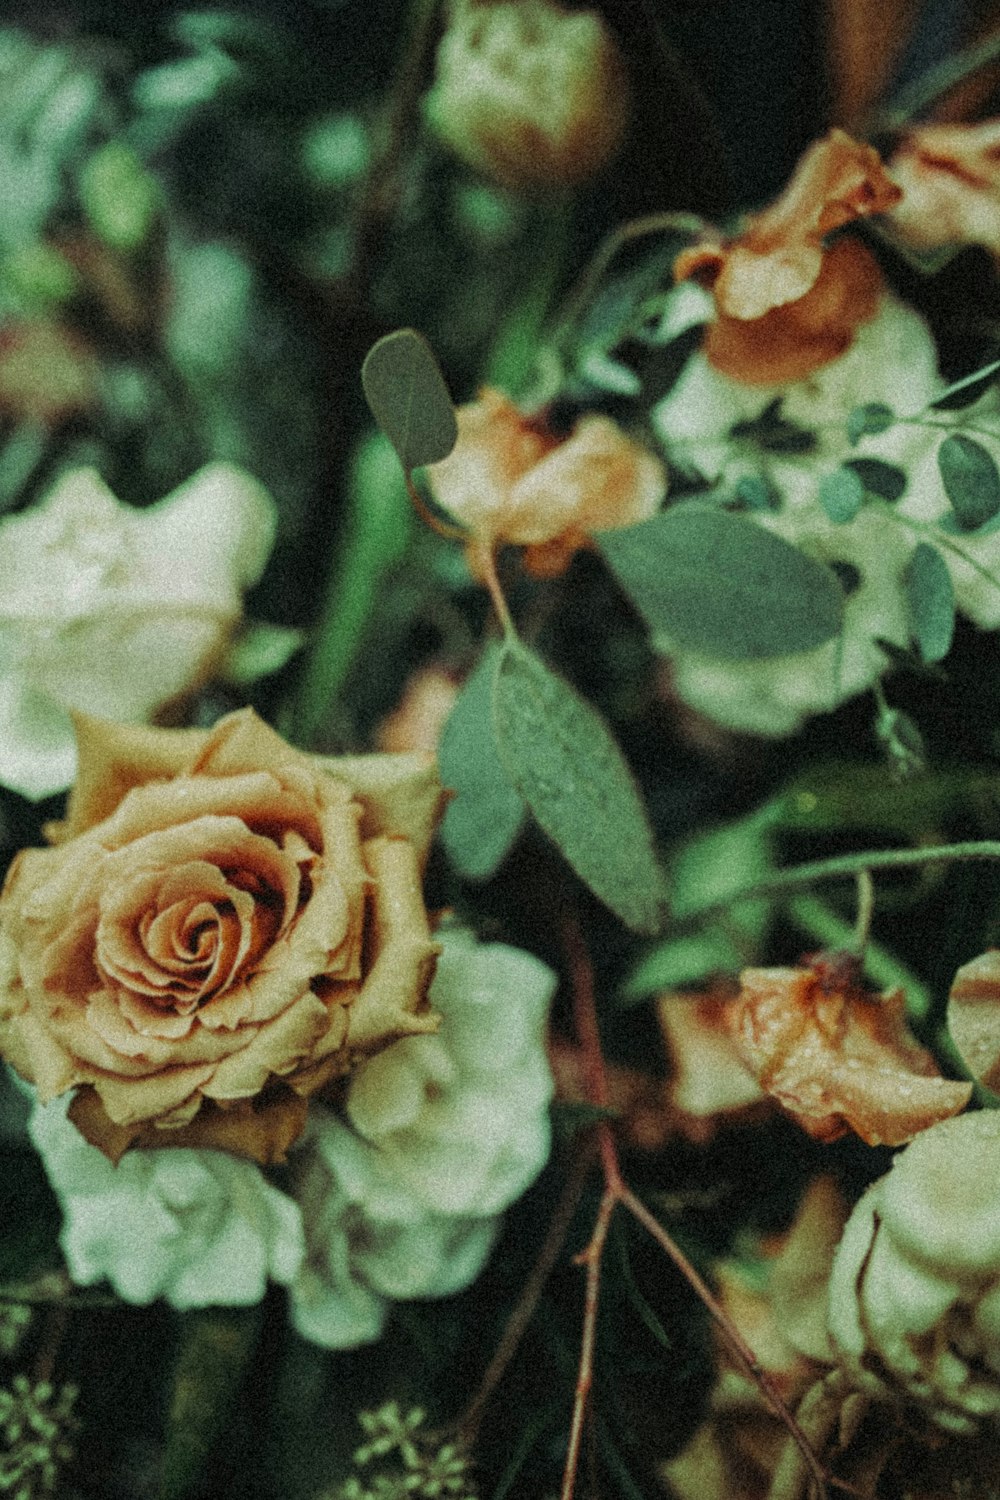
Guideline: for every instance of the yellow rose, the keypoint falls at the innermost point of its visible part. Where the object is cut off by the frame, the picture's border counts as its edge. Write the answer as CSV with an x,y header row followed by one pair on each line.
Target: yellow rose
x,y
224,926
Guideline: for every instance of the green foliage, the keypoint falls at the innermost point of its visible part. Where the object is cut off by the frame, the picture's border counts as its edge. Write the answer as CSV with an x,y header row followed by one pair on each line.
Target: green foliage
x,y
563,761
886,481
872,418
841,494
409,400
931,599
772,432
971,481
119,197
964,392
716,582
484,817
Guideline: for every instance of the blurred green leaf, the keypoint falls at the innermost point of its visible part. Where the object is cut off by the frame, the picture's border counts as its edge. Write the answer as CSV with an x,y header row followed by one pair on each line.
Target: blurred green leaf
x,y
259,650
211,1364
484,817
887,481
930,597
872,418
119,197
712,581
968,389
409,400
841,494
971,480
561,757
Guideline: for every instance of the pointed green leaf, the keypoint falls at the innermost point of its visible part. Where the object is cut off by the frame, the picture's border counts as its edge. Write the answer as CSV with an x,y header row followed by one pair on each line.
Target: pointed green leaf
x,y
560,756
968,389
409,400
971,481
887,481
930,596
841,494
214,1353
484,817
871,418
712,581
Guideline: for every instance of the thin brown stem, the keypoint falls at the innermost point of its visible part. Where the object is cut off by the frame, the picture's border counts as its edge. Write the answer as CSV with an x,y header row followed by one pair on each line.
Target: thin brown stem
x,y
591,1257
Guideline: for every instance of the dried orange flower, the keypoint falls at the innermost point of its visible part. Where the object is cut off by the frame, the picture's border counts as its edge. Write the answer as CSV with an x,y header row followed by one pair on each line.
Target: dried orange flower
x,y
710,1082
837,1057
787,303
530,94
224,925
950,178
508,479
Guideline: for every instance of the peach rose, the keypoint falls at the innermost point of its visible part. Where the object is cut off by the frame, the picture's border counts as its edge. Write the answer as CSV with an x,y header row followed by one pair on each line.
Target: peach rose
x,y
224,926
786,303
950,178
509,479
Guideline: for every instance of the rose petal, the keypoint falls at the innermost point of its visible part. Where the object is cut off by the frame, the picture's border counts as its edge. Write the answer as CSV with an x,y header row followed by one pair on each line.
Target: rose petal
x,y
839,1058
974,1016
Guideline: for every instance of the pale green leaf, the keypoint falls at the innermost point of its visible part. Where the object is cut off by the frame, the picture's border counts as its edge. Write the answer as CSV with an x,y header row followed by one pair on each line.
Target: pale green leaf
x,y
484,817
872,418
561,757
713,581
841,494
930,596
410,402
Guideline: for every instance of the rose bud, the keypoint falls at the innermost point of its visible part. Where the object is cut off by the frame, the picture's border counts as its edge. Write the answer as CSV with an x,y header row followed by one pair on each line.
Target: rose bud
x,y
532,95
224,927
117,611
509,479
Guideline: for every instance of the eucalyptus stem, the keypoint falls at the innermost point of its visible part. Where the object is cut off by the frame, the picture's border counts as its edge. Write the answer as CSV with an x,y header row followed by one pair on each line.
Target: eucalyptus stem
x,y
801,877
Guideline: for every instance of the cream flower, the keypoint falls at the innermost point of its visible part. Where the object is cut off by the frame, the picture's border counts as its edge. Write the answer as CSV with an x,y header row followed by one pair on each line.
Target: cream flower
x,y
530,94
442,1134
116,611
915,1291
195,1227
950,177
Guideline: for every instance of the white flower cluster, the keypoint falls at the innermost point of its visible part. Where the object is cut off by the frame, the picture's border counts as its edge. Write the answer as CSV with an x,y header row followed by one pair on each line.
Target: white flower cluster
x,y
892,361
116,611
398,1199
444,1132
914,1306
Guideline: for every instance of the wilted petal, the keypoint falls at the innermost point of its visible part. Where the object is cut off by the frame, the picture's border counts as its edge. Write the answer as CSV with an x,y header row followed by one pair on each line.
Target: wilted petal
x,y
838,1057
974,1016
950,177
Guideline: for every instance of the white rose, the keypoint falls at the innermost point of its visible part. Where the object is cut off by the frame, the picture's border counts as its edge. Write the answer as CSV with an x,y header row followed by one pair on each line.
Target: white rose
x,y
402,1199
892,360
195,1227
914,1306
115,611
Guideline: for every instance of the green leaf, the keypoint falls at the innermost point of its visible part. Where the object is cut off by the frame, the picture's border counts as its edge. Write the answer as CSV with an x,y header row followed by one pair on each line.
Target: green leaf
x,y
560,756
930,597
758,492
772,432
868,419
119,197
484,817
971,481
841,494
712,581
887,481
967,390
213,1357
409,400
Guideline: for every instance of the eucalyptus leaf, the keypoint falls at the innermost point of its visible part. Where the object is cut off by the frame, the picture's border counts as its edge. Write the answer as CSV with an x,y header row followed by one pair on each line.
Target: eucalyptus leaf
x,y
485,815
971,481
964,392
930,596
210,1367
409,400
873,417
713,581
887,481
561,757
841,494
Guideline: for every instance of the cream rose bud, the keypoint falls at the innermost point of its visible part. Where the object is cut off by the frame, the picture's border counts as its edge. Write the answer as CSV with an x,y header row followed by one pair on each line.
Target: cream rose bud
x,y
914,1307
115,611
225,927
400,1199
195,1227
530,94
